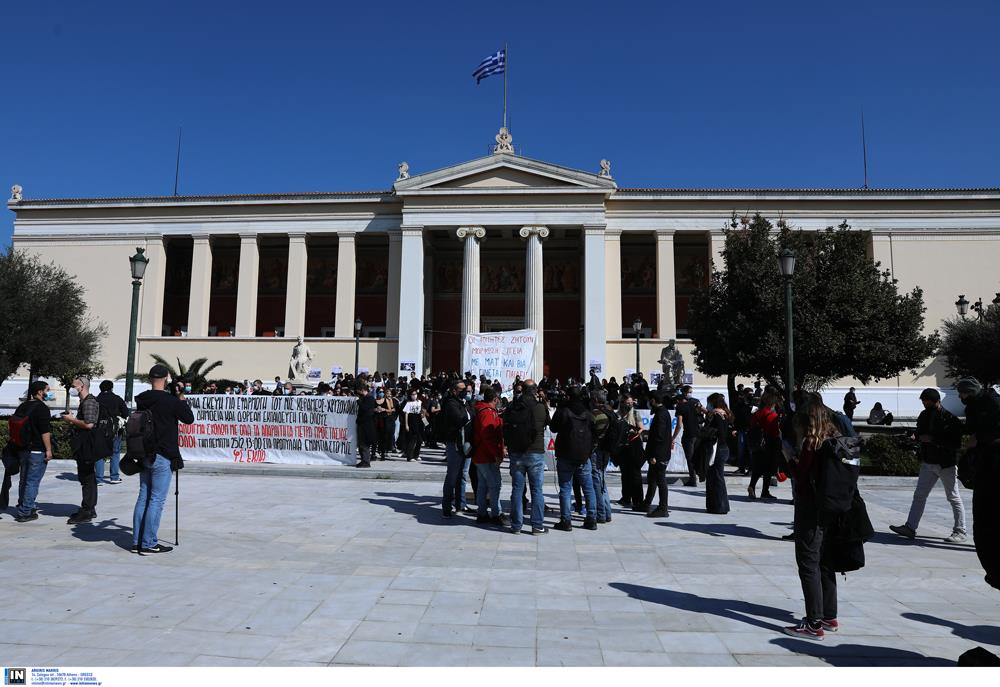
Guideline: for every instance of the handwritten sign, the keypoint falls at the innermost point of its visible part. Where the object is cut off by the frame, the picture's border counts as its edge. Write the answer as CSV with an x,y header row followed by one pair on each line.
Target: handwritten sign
x,y
500,355
305,430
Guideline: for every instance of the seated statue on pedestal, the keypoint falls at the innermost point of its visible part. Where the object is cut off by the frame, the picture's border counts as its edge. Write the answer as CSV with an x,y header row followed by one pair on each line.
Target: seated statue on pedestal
x,y
298,365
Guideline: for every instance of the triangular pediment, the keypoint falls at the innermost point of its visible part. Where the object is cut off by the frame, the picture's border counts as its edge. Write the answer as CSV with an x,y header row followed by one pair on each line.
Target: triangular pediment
x,y
502,173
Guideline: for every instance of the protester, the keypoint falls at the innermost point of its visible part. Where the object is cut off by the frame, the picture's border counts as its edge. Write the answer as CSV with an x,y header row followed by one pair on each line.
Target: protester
x,y
982,422
689,421
367,438
488,454
629,454
764,439
166,411
742,410
574,428
33,442
605,429
658,445
813,428
452,422
116,408
412,432
89,412
524,436
385,422
940,436
719,421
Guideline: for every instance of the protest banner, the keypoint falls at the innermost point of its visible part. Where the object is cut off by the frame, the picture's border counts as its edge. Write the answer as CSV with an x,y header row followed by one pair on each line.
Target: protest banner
x,y
500,355
304,430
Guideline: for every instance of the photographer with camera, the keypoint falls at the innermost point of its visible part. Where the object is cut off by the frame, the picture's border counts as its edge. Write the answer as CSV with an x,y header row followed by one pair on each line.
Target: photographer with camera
x,y
165,410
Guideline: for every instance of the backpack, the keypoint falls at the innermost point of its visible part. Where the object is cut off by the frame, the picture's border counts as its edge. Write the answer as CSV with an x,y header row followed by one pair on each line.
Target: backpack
x,y
614,435
91,445
140,438
837,475
519,429
844,538
22,432
575,441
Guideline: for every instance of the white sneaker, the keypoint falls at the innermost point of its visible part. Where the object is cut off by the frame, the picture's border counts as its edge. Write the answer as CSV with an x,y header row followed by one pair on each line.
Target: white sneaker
x,y
956,537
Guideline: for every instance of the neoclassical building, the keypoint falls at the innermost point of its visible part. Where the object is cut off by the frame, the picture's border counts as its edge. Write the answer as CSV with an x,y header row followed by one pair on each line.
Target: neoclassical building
x,y
497,243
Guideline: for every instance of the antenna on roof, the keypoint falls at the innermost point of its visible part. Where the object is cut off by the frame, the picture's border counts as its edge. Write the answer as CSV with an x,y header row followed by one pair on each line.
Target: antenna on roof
x,y
864,147
177,165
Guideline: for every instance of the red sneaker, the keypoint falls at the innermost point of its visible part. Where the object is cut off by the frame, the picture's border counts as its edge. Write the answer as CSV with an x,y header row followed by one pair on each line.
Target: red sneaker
x,y
806,630
830,625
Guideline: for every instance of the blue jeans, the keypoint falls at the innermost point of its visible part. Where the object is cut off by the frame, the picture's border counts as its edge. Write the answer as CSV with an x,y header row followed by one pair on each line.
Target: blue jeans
x,y
567,471
32,469
532,467
489,482
116,457
454,478
154,484
598,466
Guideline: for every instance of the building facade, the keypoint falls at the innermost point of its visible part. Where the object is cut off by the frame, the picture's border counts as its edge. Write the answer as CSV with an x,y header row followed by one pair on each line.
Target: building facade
x,y
498,243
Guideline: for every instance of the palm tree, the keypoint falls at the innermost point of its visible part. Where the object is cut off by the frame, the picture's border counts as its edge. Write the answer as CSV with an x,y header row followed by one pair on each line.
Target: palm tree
x,y
195,373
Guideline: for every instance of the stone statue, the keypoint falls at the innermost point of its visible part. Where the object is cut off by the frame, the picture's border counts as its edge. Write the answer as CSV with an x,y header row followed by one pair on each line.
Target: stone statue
x,y
298,365
504,142
16,193
404,171
672,362
605,169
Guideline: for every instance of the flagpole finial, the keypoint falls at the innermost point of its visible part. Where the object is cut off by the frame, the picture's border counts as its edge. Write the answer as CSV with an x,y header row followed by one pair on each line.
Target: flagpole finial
x,y
504,142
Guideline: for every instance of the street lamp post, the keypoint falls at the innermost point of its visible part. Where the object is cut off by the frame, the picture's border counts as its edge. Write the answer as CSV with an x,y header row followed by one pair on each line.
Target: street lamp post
x,y
786,262
137,263
357,345
962,305
637,328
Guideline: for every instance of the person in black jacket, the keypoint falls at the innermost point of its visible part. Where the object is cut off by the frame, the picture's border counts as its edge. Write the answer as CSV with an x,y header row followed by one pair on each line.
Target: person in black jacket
x,y
689,419
367,437
719,419
167,410
452,422
940,436
32,458
658,446
574,427
115,405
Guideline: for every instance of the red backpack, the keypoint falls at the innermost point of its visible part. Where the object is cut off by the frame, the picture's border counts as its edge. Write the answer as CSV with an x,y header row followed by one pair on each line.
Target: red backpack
x,y
19,425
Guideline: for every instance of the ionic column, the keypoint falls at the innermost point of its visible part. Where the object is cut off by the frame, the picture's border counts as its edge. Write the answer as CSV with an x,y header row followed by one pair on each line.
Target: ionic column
x,y
666,292
613,283
246,286
295,292
152,288
534,304
470,279
343,323
392,291
201,287
594,299
411,299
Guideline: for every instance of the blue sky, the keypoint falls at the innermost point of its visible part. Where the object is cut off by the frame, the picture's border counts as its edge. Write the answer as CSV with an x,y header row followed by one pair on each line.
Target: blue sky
x,y
310,96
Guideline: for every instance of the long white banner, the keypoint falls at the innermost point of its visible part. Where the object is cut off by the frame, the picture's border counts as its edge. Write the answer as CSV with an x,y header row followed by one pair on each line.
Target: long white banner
x,y
500,355
306,430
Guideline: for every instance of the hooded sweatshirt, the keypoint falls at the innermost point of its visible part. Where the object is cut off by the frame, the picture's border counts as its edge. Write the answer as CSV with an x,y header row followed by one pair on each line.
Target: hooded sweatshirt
x,y
487,433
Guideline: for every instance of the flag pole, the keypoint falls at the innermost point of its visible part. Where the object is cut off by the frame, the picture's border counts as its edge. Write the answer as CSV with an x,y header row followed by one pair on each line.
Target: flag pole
x,y
506,68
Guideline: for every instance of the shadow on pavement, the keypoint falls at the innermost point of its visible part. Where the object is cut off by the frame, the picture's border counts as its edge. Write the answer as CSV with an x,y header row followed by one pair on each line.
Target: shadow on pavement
x,y
104,531
895,540
68,476
743,611
58,510
987,634
858,655
426,510
719,529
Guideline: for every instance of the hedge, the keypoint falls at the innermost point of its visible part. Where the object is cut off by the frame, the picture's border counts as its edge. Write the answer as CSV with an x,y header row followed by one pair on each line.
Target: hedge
x,y
885,455
60,436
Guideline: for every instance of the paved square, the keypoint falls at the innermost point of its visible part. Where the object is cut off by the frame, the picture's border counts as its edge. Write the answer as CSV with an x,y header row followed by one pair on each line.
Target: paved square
x,y
294,571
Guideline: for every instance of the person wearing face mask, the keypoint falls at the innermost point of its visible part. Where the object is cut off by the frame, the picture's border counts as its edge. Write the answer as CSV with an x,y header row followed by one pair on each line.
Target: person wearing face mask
x,y
454,418
33,452
367,439
719,420
117,409
88,413
385,413
628,453
413,424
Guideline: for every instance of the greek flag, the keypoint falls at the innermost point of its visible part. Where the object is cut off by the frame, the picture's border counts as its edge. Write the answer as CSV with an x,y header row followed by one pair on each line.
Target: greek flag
x,y
494,64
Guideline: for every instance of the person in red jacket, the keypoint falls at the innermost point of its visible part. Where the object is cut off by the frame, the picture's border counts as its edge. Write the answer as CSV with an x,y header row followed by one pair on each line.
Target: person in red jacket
x,y
488,452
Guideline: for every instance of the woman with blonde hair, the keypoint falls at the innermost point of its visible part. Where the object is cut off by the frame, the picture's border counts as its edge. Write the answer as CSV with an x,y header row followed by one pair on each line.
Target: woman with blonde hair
x,y
813,428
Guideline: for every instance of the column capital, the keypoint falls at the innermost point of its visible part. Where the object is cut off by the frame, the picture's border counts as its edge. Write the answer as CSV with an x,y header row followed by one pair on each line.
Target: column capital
x,y
613,233
594,229
411,230
345,235
471,232
664,234
395,237
296,236
203,239
247,237
540,231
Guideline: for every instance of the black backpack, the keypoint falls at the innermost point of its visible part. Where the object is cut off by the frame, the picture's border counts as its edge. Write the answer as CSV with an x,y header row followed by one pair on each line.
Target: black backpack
x,y
575,441
519,429
837,475
140,438
91,445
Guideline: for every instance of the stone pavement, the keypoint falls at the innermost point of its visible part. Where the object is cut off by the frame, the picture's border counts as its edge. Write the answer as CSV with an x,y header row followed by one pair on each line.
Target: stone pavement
x,y
290,571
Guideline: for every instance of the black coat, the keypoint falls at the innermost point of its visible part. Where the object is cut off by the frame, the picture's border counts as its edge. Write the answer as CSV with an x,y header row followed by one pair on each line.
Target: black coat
x,y
366,420
659,438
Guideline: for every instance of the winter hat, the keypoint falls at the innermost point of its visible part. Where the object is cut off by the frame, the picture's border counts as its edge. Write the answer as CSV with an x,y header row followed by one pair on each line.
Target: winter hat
x,y
969,385
930,395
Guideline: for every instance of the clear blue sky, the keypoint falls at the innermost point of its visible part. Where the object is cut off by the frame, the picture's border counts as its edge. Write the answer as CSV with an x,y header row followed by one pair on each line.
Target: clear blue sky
x,y
296,96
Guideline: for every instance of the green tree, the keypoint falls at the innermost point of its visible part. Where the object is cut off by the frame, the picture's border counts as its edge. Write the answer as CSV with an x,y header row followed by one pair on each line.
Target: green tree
x,y
196,372
20,277
969,346
849,318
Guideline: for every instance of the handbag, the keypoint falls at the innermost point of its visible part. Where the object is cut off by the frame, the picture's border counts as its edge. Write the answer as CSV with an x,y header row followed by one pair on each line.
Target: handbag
x,y
128,465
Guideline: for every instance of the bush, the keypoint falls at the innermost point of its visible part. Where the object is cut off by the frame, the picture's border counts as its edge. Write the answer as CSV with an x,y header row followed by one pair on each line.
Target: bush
x,y
886,455
60,438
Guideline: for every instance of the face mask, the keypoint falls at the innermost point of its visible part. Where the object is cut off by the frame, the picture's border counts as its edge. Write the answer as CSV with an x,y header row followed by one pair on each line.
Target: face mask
x,y
187,389
74,393
50,396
